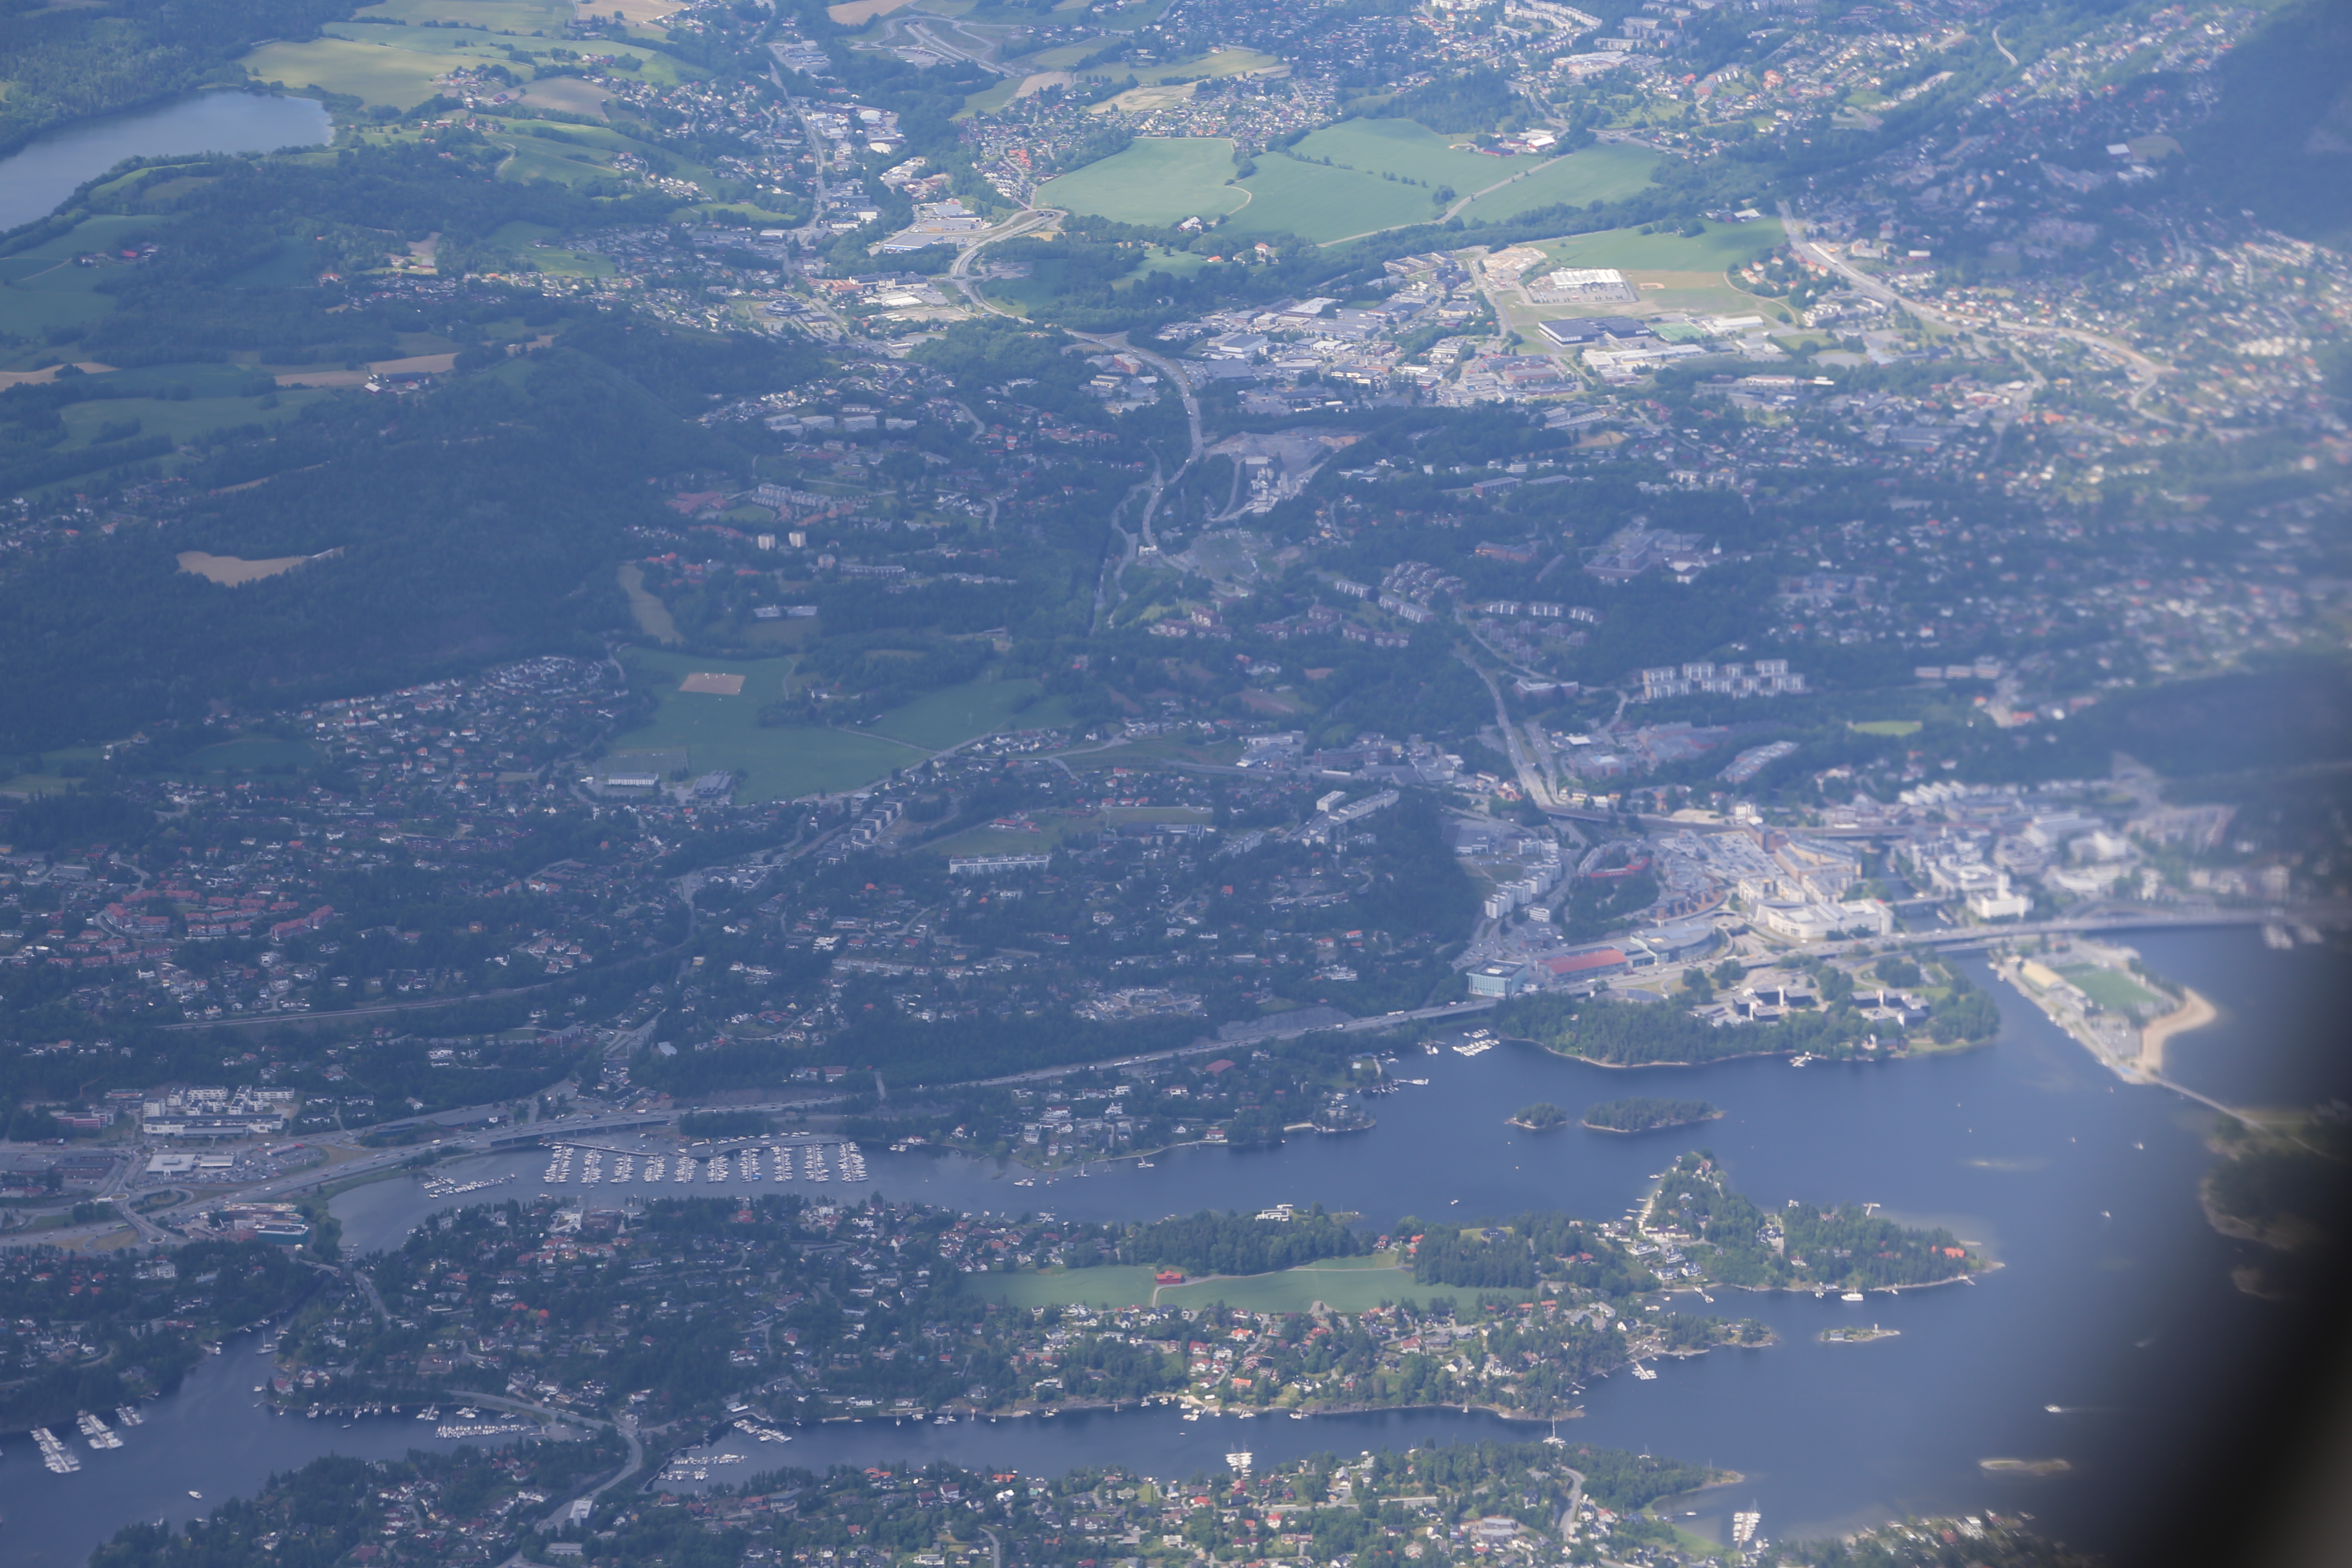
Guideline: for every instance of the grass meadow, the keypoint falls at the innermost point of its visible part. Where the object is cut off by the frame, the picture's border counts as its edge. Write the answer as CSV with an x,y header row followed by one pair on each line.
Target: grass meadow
x,y
783,761
1158,179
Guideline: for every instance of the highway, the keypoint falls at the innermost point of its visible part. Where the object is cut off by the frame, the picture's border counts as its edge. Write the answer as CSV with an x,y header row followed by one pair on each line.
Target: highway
x,y
152,1228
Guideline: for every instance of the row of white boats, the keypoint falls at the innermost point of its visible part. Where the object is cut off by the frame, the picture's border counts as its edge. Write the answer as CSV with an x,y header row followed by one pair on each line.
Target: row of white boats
x,y
60,1458
570,1163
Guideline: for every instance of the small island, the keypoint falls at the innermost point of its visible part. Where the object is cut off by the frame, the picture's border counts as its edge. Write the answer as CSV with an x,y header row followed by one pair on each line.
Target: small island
x,y
2025,1467
1858,1336
1642,1115
1543,1116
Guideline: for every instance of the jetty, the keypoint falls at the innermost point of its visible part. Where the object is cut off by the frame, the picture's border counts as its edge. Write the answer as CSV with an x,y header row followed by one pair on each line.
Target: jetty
x,y
60,1459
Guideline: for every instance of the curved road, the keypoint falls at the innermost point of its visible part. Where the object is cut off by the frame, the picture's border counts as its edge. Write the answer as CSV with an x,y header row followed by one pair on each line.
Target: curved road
x,y
1032,220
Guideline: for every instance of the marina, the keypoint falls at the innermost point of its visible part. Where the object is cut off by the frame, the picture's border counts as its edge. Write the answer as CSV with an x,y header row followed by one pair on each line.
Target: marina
x,y
60,1459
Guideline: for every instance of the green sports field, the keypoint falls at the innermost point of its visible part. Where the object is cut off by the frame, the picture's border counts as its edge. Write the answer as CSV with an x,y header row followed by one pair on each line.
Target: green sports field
x,y
2110,988
1158,179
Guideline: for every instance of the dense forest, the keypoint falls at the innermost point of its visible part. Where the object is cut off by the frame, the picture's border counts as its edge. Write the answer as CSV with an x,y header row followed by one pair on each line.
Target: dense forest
x,y
1512,1256
1211,1244
1641,1114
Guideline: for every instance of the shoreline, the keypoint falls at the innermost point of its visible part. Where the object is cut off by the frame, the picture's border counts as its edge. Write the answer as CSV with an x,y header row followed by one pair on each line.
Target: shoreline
x,y
2194,1013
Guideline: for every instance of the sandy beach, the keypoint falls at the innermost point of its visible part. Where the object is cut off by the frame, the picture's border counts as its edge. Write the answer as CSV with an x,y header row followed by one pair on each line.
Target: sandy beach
x,y
2194,1013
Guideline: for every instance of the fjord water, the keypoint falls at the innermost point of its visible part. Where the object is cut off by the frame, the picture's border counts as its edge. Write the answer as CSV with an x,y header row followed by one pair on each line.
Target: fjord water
x,y
36,177
2113,1302
212,1436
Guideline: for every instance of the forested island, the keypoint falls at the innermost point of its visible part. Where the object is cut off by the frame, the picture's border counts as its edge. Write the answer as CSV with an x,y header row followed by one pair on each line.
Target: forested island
x,y
1800,1247
1542,1116
1640,1114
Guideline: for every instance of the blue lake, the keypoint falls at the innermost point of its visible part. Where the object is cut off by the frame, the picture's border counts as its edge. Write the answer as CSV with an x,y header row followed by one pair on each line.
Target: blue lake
x,y
44,173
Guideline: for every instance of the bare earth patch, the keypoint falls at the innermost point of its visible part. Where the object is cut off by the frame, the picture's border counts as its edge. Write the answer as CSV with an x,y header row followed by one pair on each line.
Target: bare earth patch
x,y
714,685
228,571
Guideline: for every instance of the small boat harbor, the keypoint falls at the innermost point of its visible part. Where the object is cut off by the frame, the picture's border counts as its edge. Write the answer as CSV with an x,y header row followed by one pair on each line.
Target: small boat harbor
x,y
816,1161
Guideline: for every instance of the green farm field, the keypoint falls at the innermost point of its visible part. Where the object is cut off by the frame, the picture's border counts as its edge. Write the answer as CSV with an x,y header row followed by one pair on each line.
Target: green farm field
x,y
526,16
1158,179
181,419
1286,196
537,158
401,67
41,288
372,73
1409,150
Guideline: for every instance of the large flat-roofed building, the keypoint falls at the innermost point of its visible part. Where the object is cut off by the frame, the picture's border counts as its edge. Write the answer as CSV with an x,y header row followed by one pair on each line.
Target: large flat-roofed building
x,y
1499,980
